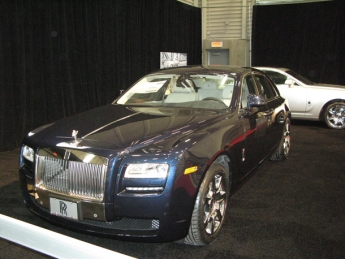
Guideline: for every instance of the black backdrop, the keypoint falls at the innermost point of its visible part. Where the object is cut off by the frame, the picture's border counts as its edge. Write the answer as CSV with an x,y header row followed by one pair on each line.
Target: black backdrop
x,y
62,57
308,38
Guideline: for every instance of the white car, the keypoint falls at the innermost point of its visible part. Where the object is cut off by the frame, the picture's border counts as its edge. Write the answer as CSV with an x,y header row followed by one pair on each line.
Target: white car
x,y
309,100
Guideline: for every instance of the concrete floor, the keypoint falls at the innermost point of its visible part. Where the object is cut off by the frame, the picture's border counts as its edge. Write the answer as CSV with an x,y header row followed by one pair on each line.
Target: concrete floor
x,y
290,209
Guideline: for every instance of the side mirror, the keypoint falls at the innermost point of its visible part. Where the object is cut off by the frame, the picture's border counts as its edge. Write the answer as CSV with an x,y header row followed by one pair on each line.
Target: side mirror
x,y
255,101
289,82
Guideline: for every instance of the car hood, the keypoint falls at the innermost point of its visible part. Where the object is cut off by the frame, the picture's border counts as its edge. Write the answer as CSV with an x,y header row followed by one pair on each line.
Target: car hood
x,y
121,127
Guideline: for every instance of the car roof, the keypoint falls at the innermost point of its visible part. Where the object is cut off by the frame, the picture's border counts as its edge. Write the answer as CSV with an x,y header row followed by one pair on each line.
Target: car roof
x,y
204,69
272,68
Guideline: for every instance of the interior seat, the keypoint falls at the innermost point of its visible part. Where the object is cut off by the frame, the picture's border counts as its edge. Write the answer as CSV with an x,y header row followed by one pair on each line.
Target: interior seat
x,y
210,89
181,94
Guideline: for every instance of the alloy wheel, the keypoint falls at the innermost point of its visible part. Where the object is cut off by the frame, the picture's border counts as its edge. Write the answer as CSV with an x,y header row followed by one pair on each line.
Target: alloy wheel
x,y
215,205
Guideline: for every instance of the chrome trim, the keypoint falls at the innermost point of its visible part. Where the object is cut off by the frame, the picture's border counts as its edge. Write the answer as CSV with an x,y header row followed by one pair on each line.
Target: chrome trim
x,y
71,172
127,224
91,210
143,189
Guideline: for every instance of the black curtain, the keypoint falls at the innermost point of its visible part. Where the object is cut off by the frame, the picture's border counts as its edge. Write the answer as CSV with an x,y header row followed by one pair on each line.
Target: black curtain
x,y
62,57
308,38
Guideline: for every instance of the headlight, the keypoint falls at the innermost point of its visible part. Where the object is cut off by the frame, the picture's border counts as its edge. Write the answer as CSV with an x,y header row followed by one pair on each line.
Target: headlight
x,y
28,153
147,170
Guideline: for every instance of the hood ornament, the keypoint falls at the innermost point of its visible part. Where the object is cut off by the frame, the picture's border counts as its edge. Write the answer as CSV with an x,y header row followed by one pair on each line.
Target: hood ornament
x,y
74,143
74,135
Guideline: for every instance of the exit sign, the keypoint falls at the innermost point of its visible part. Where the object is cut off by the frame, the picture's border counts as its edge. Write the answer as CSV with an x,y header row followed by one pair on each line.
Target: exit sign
x,y
216,44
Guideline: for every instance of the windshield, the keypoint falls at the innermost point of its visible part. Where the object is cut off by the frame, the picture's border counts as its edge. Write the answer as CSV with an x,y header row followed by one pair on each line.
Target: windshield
x,y
300,78
197,91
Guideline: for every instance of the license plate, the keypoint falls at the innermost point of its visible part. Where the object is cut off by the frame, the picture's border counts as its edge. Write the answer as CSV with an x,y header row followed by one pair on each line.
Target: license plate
x,y
64,208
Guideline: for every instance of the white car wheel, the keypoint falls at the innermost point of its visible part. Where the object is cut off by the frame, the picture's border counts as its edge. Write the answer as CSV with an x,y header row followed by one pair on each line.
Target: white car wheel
x,y
335,115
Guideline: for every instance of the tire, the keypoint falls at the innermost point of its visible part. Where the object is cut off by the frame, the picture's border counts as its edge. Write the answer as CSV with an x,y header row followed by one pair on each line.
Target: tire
x,y
334,115
282,152
210,207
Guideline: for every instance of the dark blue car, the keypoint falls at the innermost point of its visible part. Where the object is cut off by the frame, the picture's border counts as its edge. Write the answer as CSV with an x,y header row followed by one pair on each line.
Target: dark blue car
x,y
159,163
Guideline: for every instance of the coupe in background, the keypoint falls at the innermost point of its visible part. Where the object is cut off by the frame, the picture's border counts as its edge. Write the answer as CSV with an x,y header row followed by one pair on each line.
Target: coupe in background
x,y
159,163
309,100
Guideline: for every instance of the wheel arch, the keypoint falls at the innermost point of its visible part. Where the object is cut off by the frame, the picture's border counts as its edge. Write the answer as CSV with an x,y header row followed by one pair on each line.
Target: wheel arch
x,y
322,111
197,230
224,160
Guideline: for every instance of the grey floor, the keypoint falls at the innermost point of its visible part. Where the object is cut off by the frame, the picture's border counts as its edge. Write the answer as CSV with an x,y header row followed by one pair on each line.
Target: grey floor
x,y
290,209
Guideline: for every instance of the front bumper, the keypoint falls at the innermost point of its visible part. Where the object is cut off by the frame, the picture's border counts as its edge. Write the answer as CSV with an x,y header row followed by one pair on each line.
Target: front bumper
x,y
162,228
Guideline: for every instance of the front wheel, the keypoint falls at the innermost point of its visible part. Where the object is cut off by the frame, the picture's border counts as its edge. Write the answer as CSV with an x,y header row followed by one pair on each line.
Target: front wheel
x,y
210,207
335,115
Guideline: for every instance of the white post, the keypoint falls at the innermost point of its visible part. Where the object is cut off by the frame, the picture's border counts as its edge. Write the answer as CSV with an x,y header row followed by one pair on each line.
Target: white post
x,y
51,243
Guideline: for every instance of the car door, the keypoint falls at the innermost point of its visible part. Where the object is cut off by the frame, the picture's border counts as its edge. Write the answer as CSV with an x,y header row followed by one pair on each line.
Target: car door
x,y
254,126
293,91
274,112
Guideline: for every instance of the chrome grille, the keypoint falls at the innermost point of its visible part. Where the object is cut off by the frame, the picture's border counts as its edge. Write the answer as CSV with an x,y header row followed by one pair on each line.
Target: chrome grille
x,y
76,178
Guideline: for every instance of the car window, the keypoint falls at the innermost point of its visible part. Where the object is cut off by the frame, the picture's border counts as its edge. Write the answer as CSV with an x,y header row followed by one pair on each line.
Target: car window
x,y
276,77
204,91
265,87
300,77
248,88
